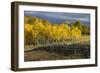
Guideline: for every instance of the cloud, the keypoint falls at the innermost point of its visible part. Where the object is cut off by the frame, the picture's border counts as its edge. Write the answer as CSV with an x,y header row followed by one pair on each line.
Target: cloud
x,y
60,15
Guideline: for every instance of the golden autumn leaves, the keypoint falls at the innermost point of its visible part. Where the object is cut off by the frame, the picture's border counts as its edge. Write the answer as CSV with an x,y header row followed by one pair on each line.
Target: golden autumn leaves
x,y
39,33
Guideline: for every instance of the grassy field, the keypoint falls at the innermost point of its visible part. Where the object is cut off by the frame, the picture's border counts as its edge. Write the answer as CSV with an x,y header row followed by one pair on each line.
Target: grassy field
x,y
74,49
83,40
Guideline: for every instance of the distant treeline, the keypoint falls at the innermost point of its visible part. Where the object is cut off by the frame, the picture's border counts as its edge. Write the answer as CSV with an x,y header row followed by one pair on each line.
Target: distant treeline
x,y
40,31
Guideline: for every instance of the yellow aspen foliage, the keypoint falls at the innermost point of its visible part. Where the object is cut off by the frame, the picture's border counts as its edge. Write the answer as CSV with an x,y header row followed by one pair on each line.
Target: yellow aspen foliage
x,y
42,32
34,33
28,27
76,32
65,31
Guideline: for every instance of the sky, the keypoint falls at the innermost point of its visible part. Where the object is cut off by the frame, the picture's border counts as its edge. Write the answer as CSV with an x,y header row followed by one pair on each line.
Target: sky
x,y
60,17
